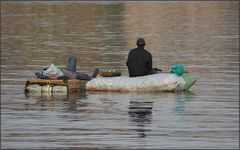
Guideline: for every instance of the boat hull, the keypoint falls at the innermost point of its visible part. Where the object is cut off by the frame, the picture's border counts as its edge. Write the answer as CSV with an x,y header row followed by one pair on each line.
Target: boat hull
x,y
155,82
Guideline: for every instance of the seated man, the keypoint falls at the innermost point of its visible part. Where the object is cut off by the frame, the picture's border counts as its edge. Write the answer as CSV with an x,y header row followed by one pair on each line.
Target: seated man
x,y
139,61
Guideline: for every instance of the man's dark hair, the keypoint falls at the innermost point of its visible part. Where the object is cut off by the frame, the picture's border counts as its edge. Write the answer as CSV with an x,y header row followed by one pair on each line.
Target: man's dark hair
x,y
140,42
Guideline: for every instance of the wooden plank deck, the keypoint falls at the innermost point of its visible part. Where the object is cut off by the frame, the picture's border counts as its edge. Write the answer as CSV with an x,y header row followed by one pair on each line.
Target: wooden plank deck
x,y
72,85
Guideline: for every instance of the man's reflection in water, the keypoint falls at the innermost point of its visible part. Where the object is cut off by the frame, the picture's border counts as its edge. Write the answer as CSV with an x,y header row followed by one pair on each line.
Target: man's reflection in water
x,y
140,114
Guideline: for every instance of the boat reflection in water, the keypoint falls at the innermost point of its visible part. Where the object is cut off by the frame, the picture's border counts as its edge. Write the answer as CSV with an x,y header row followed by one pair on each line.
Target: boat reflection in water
x,y
141,112
180,101
50,101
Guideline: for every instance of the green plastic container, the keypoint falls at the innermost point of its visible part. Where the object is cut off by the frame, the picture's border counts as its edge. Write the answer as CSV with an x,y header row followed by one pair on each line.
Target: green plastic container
x,y
178,69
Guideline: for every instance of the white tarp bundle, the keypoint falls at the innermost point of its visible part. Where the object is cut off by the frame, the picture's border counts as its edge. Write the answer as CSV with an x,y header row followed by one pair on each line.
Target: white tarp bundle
x,y
155,82
52,72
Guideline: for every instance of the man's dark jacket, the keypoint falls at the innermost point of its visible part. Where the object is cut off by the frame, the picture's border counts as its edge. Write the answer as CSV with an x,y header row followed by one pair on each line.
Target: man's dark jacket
x,y
139,62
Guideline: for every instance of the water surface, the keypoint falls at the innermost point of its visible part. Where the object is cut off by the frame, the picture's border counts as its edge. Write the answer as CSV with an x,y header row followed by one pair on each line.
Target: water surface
x,y
204,36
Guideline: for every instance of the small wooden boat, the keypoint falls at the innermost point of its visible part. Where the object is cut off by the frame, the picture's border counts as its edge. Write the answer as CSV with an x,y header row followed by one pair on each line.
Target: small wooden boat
x,y
154,82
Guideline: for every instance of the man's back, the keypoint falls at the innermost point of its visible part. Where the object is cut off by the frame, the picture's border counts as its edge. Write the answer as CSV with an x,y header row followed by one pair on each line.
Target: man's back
x,y
139,62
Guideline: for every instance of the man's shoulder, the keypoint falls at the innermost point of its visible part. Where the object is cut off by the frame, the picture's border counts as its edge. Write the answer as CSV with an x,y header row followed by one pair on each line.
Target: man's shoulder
x,y
146,51
133,50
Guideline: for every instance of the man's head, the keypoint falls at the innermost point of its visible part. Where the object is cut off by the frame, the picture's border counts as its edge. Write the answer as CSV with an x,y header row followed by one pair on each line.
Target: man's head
x,y
140,42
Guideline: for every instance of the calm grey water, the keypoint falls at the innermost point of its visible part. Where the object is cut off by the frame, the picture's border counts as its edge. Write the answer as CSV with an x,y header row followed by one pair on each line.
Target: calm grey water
x,y
204,36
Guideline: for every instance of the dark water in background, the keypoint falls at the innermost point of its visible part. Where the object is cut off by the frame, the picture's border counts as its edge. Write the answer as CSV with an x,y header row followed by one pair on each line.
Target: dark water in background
x,y
204,36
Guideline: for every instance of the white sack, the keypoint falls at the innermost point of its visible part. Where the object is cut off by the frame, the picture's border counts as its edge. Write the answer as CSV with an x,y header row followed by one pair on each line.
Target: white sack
x,y
155,82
